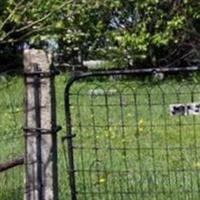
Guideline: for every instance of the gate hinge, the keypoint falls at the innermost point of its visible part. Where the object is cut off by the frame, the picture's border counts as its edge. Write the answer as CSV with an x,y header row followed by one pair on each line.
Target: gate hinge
x,y
41,131
68,137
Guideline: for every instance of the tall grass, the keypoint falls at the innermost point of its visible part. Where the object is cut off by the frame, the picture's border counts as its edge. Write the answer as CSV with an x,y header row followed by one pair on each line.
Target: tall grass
x,y
11,136
127,145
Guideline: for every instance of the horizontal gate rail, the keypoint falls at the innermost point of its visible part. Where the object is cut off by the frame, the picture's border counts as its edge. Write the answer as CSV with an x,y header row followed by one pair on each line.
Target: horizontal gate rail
x,y
128,72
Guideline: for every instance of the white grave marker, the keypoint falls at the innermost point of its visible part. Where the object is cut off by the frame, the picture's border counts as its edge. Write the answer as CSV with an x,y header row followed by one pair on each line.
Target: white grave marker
x,y
185,109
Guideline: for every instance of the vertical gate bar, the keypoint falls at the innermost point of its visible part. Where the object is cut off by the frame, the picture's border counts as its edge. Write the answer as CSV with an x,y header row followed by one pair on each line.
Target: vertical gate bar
x,y
69,137
82,155
109,143
195,146
164,103
122,124
96,149
150,103
141,192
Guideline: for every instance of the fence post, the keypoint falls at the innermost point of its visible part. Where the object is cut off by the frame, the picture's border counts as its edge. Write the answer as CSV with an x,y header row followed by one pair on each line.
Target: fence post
x,y
40,127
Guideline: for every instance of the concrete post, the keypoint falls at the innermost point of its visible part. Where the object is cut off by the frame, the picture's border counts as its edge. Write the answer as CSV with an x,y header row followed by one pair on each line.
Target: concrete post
x,y
40,127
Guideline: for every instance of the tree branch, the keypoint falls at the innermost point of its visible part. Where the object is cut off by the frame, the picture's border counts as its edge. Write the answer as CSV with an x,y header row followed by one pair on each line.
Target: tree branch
x,y
43,18
11,14
10,164
27,27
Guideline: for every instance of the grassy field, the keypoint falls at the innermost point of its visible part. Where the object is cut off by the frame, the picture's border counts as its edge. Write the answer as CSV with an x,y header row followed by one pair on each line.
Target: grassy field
x,y
127,145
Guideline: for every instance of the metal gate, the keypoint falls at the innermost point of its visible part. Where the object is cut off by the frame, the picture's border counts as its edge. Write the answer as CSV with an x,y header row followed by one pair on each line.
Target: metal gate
x,y
132,135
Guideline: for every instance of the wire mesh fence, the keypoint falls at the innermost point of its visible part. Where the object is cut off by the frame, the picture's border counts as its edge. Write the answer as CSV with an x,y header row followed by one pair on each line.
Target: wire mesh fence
x,y
11,138
125,143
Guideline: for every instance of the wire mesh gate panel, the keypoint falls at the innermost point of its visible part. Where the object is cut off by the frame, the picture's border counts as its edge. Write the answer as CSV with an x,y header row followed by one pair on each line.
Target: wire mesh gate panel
x,y
125,143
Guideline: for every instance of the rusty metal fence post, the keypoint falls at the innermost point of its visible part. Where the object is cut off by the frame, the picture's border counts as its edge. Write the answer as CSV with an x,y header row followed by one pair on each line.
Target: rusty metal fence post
x,y
40,127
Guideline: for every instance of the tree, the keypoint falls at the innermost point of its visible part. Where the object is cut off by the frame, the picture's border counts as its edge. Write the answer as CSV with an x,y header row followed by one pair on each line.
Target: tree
x,y
23,21
131,33
150,33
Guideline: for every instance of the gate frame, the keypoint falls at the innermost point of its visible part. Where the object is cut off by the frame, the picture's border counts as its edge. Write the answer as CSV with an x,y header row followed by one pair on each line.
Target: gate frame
x,y
106,73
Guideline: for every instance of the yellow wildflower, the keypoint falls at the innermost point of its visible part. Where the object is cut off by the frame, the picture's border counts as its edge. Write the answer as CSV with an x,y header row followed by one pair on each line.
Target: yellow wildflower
x,y
124,157
196,165
141,125
123,140
102,180
97,137
111,133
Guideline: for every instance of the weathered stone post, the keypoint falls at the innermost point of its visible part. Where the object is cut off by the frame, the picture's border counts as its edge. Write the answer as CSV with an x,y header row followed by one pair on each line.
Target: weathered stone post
x,y
40,127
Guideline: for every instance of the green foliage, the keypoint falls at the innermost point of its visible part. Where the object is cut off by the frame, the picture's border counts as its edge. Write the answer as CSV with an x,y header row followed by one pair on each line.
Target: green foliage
x,y
135,32
129,32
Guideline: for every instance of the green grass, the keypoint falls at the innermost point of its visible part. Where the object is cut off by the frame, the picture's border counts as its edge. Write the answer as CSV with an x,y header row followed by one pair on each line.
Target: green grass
x,y
11,137
127,145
